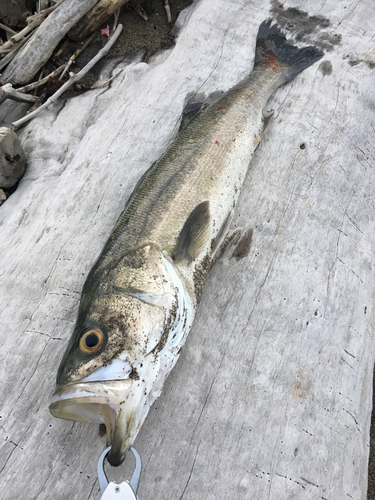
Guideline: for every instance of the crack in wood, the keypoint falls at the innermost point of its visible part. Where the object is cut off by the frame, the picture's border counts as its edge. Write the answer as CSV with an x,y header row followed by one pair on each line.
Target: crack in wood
x,y
15,447
344,360
191,471
45,334
29,378
44,483
92,489
309,482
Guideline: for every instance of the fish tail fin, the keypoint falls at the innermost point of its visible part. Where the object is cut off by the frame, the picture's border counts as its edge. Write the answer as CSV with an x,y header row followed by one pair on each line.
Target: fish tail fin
x,y
272,43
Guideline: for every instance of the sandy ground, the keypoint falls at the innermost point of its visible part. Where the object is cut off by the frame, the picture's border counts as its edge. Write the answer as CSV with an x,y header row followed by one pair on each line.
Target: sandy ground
x,y
150,36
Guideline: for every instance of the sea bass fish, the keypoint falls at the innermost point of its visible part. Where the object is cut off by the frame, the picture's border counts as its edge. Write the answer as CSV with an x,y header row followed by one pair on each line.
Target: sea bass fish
x,y
140,298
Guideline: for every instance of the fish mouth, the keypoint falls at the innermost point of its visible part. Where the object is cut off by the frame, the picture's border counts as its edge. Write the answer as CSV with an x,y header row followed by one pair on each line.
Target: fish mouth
x,y
101,402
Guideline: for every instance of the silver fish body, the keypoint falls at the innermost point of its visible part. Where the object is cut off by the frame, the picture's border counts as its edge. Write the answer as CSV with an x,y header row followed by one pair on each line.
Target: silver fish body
x,y
140,298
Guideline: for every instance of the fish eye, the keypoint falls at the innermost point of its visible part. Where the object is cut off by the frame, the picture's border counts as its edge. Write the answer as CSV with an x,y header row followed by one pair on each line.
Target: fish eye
x,y
91,341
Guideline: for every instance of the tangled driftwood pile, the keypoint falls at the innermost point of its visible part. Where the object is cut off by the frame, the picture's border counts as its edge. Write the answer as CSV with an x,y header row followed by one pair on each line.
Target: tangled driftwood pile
x,y
30,39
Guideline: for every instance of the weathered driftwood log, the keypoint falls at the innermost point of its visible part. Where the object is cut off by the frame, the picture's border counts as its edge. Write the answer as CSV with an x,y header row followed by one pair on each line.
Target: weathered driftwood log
x,y
12,158
94,18
39,48
271,396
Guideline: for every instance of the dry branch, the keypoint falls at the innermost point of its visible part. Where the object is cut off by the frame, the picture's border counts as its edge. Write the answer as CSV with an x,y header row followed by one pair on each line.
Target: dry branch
x,y
74,79
100,85
7,29
8,92
168,11
117,15
76,54
42,4
41,82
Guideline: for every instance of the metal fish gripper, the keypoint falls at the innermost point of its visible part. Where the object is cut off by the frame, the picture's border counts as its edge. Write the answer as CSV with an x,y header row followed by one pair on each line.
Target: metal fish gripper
x,y
123,491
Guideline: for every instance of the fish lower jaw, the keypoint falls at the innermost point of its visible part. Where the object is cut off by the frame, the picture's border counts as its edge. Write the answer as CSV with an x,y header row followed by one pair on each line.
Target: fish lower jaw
x,y
122,405
93,402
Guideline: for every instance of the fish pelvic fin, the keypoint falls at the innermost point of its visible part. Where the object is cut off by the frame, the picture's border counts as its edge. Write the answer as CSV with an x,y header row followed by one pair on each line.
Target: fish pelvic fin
x,y
271,43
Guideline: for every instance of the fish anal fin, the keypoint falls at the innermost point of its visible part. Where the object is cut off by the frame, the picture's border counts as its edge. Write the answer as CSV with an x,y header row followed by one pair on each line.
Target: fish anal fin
x,y
221,235
194,233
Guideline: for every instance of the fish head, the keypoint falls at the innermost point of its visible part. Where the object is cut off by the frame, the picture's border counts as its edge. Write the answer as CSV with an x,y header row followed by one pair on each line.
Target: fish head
x,y
112,370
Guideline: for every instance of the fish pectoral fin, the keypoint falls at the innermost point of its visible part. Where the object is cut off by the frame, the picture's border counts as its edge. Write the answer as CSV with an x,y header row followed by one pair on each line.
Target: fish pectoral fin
x,y
194,234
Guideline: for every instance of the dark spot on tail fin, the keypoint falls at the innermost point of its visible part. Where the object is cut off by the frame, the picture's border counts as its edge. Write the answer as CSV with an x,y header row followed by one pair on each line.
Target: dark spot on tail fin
x,y
272,42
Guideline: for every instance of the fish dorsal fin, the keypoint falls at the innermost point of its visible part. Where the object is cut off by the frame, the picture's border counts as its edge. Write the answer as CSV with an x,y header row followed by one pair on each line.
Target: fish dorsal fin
x,y
194,234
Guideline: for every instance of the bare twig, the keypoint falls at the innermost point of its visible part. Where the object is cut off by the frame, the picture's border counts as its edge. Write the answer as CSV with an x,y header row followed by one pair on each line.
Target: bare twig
x,y
45,12
117,14
39,83
100,85
32,23
8,30
39,79
69,63
42,4
8,92
74,78
168,10
13,52
40,100
76,54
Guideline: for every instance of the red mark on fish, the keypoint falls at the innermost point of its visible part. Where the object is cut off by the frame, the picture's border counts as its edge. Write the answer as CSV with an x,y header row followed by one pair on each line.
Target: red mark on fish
x,y
273,63
217,142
